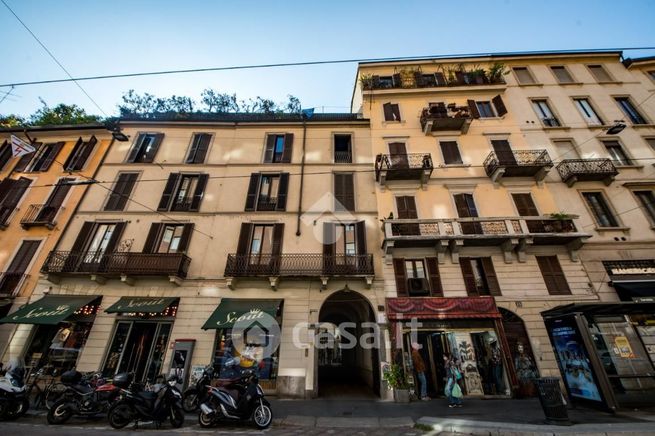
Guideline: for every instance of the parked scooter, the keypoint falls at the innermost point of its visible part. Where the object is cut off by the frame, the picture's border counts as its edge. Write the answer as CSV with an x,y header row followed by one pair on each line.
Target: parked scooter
x,y
13,397
138,405
239,399
197,393
84,396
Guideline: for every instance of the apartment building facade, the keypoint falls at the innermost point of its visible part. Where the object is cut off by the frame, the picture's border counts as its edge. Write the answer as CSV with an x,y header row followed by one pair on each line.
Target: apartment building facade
x,y
490,173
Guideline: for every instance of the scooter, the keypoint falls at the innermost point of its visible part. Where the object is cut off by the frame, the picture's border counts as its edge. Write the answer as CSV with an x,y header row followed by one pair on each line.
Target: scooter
x,y
197,394
84,396
13,396
136,404
239,399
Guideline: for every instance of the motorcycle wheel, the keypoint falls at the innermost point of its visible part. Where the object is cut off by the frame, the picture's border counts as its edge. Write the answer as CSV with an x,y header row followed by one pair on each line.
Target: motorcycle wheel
x,y
177,417
20,410
59,413
120,415
54,394
205,421
190,401
262,416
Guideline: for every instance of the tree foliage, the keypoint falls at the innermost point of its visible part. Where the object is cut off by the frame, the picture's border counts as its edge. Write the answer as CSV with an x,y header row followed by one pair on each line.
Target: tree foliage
x,y
61,114
11,120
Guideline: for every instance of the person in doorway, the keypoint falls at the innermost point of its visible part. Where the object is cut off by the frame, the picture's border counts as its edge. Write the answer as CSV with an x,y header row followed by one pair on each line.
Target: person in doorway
x,y
453,391
419,367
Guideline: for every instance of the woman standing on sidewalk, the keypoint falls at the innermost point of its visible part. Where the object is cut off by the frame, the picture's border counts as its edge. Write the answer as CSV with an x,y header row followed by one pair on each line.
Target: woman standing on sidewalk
x,y
452,390
419,367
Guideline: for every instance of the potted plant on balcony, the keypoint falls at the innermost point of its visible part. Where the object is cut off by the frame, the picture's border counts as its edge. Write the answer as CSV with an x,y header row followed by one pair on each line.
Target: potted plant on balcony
x,y
396,380
561,222
366,80
408,77
496,72
478,75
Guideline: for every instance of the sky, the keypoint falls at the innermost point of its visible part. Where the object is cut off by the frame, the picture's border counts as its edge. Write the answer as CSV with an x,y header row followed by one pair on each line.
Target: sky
x,y
93,37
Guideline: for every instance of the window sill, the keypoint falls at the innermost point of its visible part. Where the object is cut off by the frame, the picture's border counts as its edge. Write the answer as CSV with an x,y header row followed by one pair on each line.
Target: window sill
x,y
640,126
384,123
571,83
612,229
462,165
610,82
538,85
556,127
621,167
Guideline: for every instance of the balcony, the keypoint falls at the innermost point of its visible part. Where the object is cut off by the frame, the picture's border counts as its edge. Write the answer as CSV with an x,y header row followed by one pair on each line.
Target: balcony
x,y
300,265
342,157
587,170
512,234
518,163
413,166
125,265
266,204
441,118
417,79
181,205
39,215
10,283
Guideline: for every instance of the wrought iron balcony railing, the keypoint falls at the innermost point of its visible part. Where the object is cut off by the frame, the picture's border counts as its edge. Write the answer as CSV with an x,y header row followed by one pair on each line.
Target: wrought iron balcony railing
x,y
439,117
518,163
430,80
411,166
343,157
39,215
298,265
583,170
122,263
10,283
181,205
265,203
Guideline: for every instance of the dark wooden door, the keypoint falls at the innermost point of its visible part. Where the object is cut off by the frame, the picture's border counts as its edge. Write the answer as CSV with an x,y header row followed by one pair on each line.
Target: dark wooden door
x,y
504,152
466,209
398,155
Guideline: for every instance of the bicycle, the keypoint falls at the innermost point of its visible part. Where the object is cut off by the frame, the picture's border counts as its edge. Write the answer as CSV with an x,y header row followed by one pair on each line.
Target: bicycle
x,y
49,394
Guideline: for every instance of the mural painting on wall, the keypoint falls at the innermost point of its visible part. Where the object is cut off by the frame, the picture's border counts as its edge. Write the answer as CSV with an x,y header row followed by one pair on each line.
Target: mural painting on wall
x,y
469,365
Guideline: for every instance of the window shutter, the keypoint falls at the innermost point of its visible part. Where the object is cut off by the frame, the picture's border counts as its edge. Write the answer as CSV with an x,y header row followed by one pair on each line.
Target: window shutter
x,y
199,147
187,231
473,109
55,200
401,277
83,236
167,196
450,152
23,257
71,157
150,155
278,235
462,206
120,194
500,106
395,110
344,192
436,289
418,78
15,189
199,192
243,246
270,148
397,82
360,234
490,274
5,154
52,155
553,275
376,82
25,160
459,75
135,148
524,205
406,206
115,237
282,190
469,278
153,238
388,112
253,187
5,186
288,148
329,239
440,78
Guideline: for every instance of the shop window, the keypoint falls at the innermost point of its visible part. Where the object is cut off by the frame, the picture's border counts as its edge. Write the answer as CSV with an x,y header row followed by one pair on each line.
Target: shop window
x,y
224,350
479,276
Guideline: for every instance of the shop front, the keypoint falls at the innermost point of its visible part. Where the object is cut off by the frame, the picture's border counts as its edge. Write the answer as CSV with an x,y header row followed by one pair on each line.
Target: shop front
x,y
61,326
600,354
468,329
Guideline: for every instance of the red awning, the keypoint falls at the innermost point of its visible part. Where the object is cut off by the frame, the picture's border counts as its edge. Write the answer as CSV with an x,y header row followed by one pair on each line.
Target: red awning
x,y
441,308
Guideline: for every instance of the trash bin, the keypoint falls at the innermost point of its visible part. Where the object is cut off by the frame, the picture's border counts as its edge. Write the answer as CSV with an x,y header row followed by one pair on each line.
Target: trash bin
x,y
552,401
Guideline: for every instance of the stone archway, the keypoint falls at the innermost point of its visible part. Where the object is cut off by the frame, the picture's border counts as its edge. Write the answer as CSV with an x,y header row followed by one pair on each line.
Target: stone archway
x,y
525,364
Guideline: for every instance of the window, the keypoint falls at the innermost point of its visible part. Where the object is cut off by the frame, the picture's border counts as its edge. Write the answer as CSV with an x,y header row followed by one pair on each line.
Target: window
x,y
120,194
544,113
347,244
5,154
647,200
417,283
485,109
41,159
599,73
629,110
553,275
262,240
562,74
168,238
385,82
145,148
651,74
267,192
101,238
417,277
524,204
565,149
651,142
406,207
183,192
80,154
523,75
198,148
343,148
258,249
600,209
617,154
450,152
588,112
279,148
93,241
344,192
11,192
11,279
479,276
391,112
48,212
343,240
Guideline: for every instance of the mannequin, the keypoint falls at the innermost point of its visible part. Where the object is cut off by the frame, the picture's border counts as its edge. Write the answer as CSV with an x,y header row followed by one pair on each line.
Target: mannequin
x,y
61,336
525,371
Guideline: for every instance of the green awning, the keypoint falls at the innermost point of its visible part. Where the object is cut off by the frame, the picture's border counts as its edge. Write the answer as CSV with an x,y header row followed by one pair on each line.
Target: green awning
x,y
141,304
49,310
231,309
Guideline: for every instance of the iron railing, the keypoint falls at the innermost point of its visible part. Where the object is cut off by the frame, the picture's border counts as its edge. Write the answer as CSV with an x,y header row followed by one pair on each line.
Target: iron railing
x,y
39,215
298,265
343,157
516,158
121,263
265,203
10,283
181,205
403,162
586,169
430,80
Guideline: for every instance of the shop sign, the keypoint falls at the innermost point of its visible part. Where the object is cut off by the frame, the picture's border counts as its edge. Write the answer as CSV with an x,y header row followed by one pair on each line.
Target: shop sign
x,y
232,317
62,309
623,345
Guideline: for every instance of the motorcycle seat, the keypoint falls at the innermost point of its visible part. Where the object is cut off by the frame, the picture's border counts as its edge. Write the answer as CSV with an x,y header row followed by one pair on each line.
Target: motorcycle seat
x,y
148,396
221,382
82,389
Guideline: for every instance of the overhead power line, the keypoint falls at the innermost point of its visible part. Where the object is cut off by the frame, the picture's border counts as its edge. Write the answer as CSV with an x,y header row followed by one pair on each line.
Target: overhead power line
x,y
319,62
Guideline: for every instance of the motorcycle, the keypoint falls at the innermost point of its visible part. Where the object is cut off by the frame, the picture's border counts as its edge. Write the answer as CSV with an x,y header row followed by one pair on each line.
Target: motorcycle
x,y
238,399
197,393
84,396
13,397
137,404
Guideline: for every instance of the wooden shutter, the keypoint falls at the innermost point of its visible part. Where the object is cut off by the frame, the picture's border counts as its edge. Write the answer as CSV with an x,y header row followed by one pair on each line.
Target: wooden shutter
x,y
73,154
469,278
115,237
187,231
397,82
459,75
283,188
401,277
52,155
14,191
395,110
440,78
83,236
360,235
253,187
134,151
288,148
376,82
553,275
169,190
150,155
278,235
473,109
153,238
23,257
5,154
25,159
450,152
525,205
270,148
329,239
436,289
83,156
463,203
199,192
243,246
122,189
388,112
500,105
406,206
5,186
490,275
57,196
344,191
199,147
418,78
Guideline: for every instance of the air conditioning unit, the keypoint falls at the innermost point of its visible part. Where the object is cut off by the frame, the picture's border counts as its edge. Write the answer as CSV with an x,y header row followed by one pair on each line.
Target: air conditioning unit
x,y
418,286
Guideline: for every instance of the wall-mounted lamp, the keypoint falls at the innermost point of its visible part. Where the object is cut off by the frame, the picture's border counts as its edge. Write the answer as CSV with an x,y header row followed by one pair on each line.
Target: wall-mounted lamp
x,y
617,128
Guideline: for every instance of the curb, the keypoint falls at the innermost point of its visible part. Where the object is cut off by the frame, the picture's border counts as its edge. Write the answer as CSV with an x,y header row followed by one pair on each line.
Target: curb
x,y
346,422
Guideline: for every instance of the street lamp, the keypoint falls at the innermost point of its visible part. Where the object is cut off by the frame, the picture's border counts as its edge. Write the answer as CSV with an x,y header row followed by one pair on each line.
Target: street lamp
x,y
617,128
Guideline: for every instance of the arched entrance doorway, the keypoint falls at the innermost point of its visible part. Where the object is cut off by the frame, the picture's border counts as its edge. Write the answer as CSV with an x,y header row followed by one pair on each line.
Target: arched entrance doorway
x,y
345,367
520,353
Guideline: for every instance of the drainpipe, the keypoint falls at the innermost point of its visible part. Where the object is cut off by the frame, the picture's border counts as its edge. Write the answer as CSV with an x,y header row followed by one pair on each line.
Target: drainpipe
x,y
302,172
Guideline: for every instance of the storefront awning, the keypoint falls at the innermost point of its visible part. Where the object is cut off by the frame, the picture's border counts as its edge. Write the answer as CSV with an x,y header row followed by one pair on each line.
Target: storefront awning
x,y
625,308
231,309
49,310
141,304
635,290
441,308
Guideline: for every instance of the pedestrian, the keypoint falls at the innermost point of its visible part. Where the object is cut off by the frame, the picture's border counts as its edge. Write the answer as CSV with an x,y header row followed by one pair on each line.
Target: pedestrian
x,y
453,391
419,367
